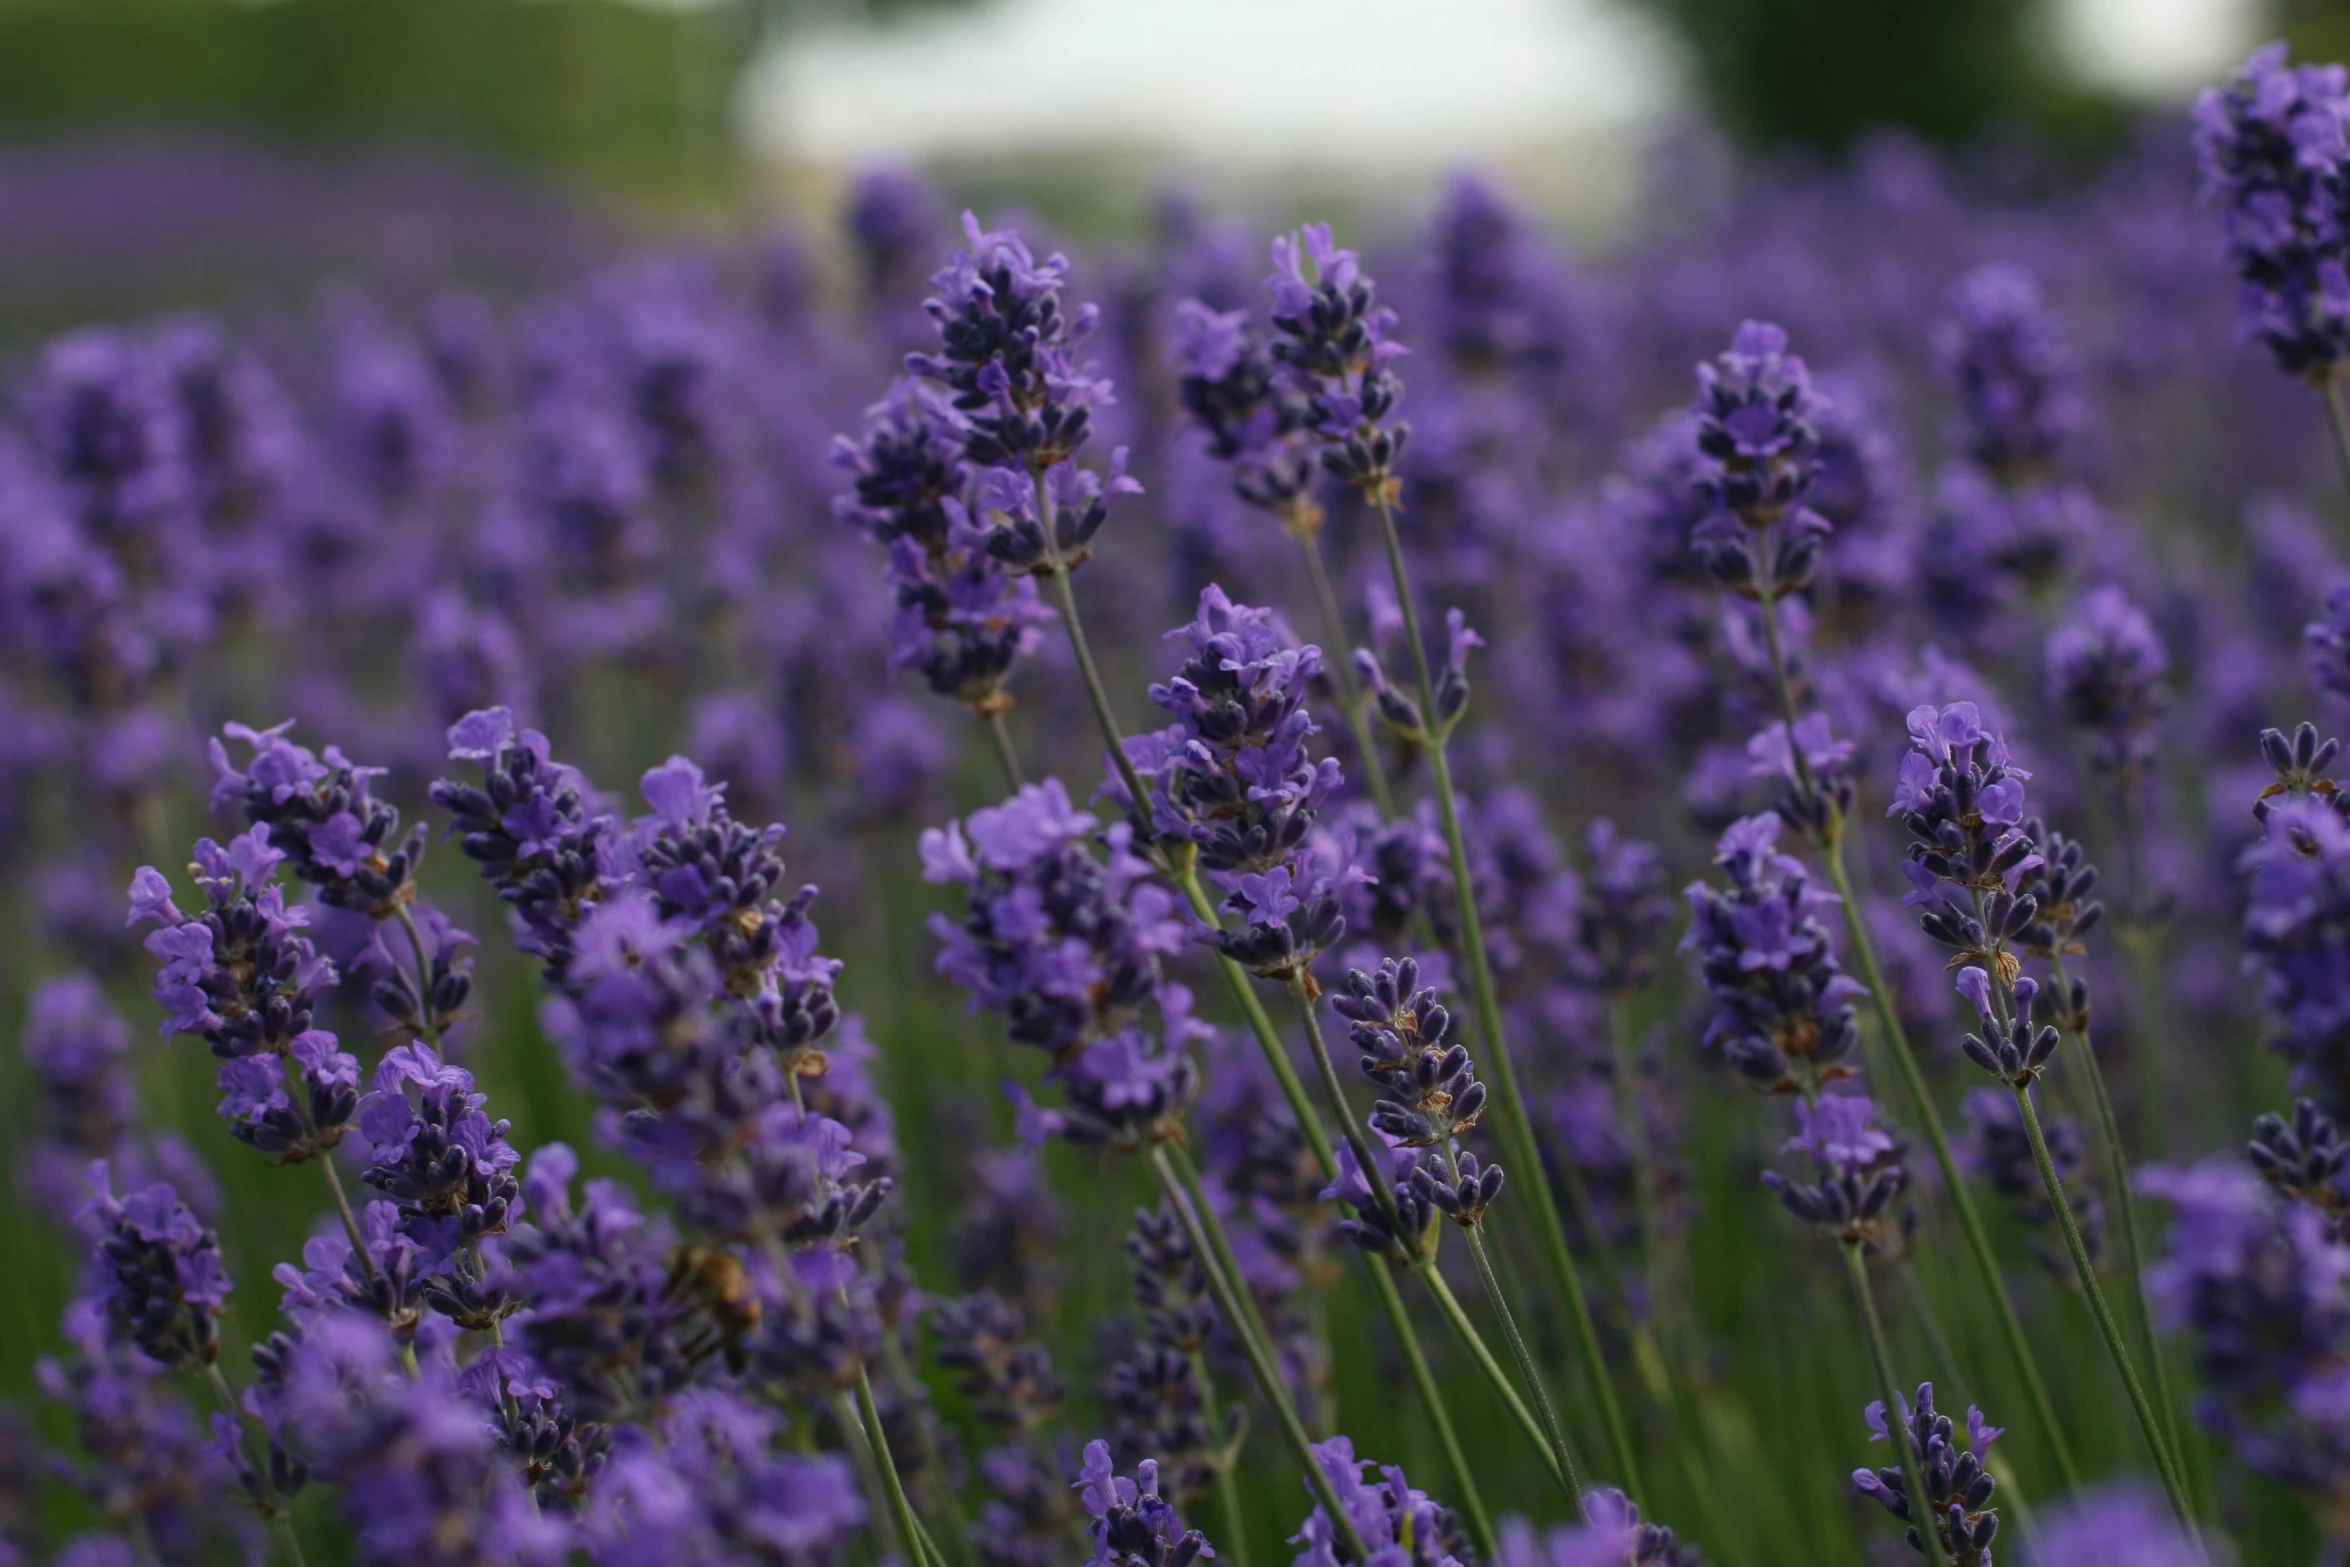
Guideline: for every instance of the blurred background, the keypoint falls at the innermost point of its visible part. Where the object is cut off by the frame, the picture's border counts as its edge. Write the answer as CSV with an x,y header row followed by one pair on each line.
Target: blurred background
x,y
146,144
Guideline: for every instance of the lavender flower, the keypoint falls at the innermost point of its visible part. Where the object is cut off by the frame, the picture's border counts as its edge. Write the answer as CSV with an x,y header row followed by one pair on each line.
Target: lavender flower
x,y
1132,1525
1758,444
2262,1292
962,620
1396,1522
712,1493
2105,670
165,1287
2296,935
1621,907
416,1462
2113,1525
1334,351
2300,764
1611,1535
1962,801
1251,417
1006,1374
324,818
243,979
1431,1094
1859,1169
2014,1052
1958,1487
1782,1007
449,1168
2273,144
2302,1159
2006,358
532,827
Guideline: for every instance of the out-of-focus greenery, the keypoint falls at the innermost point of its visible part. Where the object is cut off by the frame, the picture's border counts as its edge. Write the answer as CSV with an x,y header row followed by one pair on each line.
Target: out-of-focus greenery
x,y
1822,72
627,96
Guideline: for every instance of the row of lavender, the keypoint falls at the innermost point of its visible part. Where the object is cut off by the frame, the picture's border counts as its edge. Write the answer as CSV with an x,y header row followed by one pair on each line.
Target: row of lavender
x,y
623,506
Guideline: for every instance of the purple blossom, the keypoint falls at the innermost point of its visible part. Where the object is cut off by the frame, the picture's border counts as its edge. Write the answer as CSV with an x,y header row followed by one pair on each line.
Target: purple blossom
x,y
2105,672
164,1285
1132,1526
711,1493
1397,1523
2005,356
1333,350
1958,1487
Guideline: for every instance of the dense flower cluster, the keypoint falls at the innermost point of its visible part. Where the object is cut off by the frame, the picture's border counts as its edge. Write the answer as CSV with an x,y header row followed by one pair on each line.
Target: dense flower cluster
x,y
1978,506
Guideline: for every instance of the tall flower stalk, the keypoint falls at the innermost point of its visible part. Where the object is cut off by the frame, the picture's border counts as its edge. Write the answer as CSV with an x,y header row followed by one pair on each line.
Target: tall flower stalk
x,y
1758,447
1961,801
1335,347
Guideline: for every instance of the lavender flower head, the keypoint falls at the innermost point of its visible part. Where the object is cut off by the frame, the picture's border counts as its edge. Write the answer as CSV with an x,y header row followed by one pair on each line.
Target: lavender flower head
x,y
1401,1527
2261,1290
2010,1048
711,1492
1132,1526
2273,144
243,978
2297,940
2105,672
1252,418
164,1285
962,620
1962,801
1611,1535
532,826
437,1155
2006,358
2113,1525
1958,1487
1758,446
1334,351
1858,1164
1783,1014
1068,946
323,816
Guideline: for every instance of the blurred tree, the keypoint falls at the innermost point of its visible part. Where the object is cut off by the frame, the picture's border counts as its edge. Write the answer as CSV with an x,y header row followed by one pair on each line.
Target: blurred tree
x,y
1820,72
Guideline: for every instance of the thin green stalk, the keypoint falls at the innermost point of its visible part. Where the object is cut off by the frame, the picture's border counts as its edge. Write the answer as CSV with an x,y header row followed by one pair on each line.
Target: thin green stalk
x,y
2148,1421
1349,1126
1515,1125
2125,1207
1466,1497
281,1521
2338,421
893,1356
425,1027
902,1509
892,1537
1553,1434
1889,1389
1006,754
1962,1202
1464,1328
334,1186
1250,1323
1227,1489
1629,1111
1268,1375
1339,660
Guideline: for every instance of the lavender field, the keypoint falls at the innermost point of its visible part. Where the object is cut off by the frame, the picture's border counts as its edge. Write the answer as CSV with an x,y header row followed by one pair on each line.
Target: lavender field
x,y
1478,904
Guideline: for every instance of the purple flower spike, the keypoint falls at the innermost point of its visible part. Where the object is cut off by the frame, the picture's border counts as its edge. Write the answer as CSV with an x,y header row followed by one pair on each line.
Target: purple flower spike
x,y
164,1283
1958,1487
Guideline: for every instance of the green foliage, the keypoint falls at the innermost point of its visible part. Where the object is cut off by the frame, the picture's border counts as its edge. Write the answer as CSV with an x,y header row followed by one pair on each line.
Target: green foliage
x,y
629,96
1821,72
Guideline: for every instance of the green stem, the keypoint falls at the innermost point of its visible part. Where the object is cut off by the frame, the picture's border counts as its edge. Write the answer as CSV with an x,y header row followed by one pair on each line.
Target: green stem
x,y
426,1029
890,1534
1962,1202
2125,1207
281,1521
1251,1322
1268,1375
1630,1111
900,1508
1350,1128
1465,1492
1515,1125
1889,1389
1006,754
334,1186
1227,1489
2338,421
1097,696
1553,1435
1457,1317
2148,1421
1338,658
